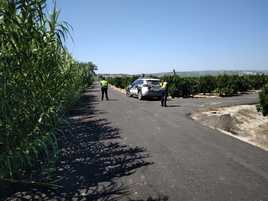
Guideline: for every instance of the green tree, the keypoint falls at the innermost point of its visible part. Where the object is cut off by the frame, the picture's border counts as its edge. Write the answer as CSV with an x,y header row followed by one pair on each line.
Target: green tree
x,y
207,84
226,85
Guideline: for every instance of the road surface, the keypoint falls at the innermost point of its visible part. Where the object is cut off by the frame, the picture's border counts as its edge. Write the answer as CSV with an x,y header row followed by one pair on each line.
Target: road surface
x,y
130,150
190,161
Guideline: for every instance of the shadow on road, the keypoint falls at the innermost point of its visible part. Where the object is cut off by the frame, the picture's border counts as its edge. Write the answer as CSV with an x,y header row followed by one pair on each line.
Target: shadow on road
x,y
92,159
151,99
113,99
173,105
159,198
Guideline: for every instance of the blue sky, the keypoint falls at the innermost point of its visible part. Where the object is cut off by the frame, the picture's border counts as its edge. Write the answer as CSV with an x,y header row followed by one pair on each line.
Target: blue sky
x,y
146,36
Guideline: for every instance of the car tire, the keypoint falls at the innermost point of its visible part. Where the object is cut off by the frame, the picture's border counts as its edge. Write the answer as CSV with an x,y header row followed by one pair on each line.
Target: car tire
x,y
140,97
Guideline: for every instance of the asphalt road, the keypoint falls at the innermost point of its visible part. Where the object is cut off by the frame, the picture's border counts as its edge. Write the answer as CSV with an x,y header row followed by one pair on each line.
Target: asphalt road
x,y
190,161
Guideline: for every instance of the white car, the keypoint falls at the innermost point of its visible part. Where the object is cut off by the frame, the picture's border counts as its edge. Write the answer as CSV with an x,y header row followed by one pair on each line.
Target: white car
x,y
145,88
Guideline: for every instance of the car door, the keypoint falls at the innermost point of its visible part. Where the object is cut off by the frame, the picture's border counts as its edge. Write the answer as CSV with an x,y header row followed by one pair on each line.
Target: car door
x,y
139,85
134,90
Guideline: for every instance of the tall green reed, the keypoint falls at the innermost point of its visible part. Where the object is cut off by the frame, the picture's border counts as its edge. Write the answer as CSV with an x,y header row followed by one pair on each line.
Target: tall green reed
x,y
38,78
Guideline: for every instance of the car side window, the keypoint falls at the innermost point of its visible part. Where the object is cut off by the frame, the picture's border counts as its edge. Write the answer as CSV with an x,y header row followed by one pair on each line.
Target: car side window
x,y
134,83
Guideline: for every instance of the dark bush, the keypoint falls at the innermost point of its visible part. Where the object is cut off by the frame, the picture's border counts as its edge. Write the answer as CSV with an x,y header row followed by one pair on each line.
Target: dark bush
x,y
122,82
207,84
227,85
263,95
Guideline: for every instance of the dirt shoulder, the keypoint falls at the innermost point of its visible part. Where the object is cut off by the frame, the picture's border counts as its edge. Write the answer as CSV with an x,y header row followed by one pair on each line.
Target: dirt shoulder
x,y
216,95
242,122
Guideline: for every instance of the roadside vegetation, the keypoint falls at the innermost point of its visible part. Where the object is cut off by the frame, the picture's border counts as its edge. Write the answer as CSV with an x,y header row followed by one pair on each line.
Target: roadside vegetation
x,y
39,79
122,82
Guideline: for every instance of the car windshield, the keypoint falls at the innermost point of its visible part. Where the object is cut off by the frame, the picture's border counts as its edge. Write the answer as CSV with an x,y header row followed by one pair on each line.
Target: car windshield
x,y
153,82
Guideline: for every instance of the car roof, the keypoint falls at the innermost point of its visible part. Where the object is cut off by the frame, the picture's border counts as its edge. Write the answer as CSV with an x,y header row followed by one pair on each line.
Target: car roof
x,y
149,79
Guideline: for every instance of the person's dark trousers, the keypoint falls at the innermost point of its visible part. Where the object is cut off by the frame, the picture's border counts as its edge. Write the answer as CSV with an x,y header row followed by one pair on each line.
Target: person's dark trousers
x,y
164,98
104,90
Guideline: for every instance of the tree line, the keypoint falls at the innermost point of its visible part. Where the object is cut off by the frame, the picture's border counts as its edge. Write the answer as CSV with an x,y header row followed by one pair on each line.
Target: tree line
x,y
39,78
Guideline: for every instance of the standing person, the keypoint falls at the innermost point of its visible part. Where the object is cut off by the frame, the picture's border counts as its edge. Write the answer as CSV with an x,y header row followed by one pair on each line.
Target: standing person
x,y
104,88
164,88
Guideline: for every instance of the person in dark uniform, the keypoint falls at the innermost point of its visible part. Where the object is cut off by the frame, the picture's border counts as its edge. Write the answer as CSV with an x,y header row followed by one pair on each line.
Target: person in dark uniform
x,y
164,88
104,88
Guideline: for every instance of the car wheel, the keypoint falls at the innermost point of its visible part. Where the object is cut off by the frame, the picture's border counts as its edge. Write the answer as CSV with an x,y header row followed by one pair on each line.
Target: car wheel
x,y
127,93
140,97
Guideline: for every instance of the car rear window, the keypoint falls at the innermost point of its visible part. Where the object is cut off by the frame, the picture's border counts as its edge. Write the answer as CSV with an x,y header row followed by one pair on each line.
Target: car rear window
x,y
153,82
